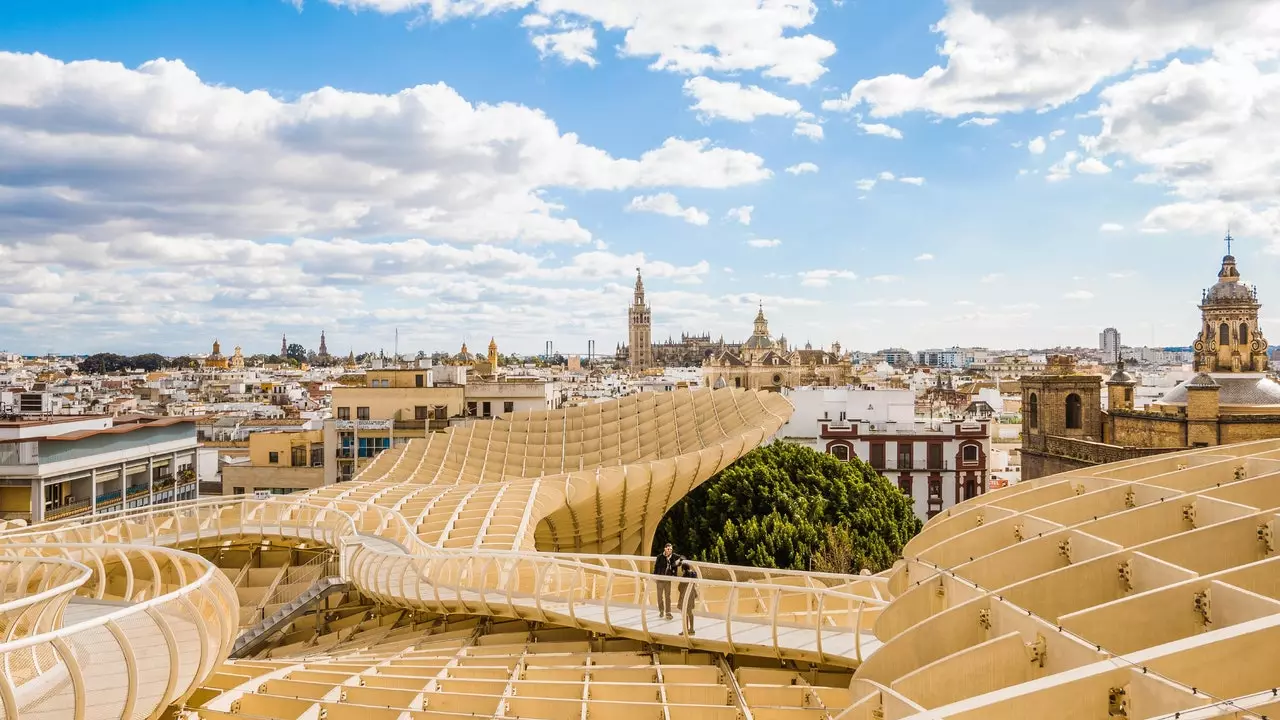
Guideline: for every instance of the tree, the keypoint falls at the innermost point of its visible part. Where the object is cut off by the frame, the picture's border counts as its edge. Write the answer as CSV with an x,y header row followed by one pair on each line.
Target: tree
x,y
788,506
297,353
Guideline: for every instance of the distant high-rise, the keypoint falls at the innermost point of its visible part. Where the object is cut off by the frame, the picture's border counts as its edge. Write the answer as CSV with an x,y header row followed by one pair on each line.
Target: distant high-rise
x,y
1109,344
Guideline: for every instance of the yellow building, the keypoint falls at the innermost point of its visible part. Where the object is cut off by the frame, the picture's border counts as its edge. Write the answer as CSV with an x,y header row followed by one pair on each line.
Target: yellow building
x,y
282,462
1231,399
216,360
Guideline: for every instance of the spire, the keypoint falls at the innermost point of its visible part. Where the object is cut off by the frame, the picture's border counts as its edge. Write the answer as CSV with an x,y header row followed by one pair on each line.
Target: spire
x,y
639,298
324,349
284,345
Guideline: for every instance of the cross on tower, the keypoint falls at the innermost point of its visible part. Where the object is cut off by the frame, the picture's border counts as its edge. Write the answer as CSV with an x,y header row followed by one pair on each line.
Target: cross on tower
x,y
1229,238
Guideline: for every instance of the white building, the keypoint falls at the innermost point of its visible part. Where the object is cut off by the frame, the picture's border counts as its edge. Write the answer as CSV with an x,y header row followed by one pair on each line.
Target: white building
x,y
1109,344
937,464
66,467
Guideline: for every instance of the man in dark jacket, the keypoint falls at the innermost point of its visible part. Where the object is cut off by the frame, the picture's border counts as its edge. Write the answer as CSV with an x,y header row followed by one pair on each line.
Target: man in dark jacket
x,y
688,593
665,567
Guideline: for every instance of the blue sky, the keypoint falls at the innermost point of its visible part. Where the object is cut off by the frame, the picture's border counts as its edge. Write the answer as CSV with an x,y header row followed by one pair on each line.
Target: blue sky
x,y
1007,173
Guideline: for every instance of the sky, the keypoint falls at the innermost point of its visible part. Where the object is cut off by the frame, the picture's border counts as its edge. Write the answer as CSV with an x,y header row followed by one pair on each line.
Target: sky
x,y
999,173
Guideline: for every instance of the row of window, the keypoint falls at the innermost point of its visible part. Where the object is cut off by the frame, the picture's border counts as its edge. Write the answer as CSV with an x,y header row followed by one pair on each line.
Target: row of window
x,y
298,457
435,412
969,489
485,408
906,455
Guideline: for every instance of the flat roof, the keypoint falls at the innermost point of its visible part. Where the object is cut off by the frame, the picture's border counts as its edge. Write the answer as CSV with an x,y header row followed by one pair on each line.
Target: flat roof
x,y
120,429
49,420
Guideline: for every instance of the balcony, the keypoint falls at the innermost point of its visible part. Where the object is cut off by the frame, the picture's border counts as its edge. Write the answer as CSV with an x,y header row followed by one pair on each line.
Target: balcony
x,y
19,453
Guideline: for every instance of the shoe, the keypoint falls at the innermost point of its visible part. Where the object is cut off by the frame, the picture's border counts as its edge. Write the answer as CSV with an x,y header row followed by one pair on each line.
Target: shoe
x,y
690,632
668,616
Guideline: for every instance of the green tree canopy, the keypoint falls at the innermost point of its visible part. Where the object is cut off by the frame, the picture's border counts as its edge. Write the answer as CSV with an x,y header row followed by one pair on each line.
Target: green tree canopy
x,y
789,506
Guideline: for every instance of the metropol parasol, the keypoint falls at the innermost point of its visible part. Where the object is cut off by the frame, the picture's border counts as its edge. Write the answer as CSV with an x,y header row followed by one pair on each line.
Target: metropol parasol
x,y
496,570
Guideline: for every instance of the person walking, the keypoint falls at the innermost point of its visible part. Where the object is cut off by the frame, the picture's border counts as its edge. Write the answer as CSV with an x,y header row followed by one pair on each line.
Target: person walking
x,y
665,566
688,593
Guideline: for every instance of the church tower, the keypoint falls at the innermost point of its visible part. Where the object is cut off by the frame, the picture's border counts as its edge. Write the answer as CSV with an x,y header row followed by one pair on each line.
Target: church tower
x,y
284,346
640,330
324,349
1230,339
493,356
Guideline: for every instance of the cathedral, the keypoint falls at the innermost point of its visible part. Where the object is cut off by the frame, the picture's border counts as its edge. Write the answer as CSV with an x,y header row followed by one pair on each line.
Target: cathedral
x,y
1231,398
640,353
762,363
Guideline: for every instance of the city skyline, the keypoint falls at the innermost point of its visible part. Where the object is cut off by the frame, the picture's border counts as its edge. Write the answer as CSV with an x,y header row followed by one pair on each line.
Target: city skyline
x,y
461,170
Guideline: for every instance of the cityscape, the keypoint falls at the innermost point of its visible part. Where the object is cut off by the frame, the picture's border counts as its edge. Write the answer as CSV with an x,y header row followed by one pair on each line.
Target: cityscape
x,y
746,360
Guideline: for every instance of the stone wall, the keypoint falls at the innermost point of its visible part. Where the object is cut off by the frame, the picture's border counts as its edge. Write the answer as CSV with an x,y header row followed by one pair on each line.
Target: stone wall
x,y
1242,428
1147,430
1046,455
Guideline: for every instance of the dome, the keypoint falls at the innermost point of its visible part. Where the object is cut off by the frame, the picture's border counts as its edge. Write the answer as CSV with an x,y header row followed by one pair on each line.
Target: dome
x,y
1229,289
1120,377
758,342
1240,390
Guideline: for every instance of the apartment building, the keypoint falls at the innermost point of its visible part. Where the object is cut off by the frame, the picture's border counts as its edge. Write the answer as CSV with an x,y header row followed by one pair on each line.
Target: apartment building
x,y
64,467
936,463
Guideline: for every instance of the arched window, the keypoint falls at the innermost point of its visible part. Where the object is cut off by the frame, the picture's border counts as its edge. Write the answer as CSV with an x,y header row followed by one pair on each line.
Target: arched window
x,y
1075,419
1244,333
970,454
841,452
1033,411
1224,334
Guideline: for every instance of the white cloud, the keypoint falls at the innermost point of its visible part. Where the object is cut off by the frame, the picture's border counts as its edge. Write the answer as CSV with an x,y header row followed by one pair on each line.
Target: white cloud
x,y
733,101
992,277
763,243
924,257
865,184
899,303
740,214
1078,295
158,150
823,278
980,121
570,45
886,175
917,181
667,204
802,168
813,131
885,278
1111,227
881,129
1037,146
1121,275
1002,56
1092,166
1054,135
1061,170
708,36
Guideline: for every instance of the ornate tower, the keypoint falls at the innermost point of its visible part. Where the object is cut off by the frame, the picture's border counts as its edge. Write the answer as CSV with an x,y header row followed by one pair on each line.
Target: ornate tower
x,y
640,329
493,356
324,349
1230,339
284,345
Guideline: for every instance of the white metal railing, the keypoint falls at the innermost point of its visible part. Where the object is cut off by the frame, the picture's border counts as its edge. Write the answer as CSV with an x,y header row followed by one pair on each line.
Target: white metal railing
x,y
780,613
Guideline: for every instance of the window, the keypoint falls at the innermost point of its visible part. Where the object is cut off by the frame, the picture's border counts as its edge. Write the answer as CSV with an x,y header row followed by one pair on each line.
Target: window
x,y
935,456
421,412
298,457
1244,333
237,490
1224,334
362,413
905,456
1128,394
737,382
281,491
969,454
317,456
1033,411
418,380
841,452
344,413
970,487
485,406
877,456
842,415
1075,421
471,409
273,458
508,406
904,484
935,489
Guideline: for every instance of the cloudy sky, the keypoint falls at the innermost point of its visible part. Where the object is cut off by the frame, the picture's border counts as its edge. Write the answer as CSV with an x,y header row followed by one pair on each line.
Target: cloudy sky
x,y
1008,173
